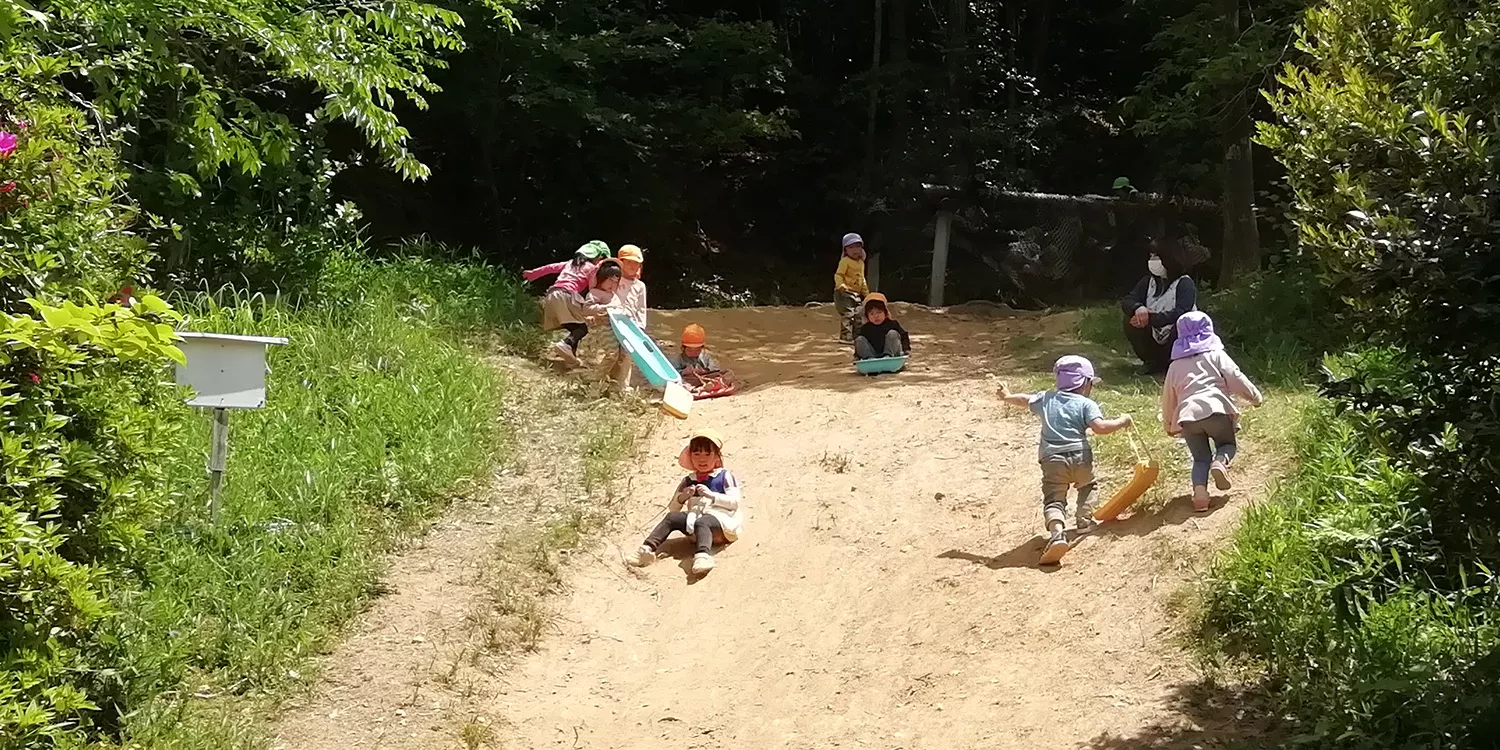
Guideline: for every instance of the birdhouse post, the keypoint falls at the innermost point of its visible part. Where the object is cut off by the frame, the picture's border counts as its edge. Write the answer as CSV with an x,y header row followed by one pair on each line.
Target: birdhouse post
x,y
225,372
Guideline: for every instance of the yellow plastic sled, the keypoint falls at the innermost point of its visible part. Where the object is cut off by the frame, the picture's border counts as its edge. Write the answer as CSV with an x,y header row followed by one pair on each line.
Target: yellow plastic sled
x,y
1146,472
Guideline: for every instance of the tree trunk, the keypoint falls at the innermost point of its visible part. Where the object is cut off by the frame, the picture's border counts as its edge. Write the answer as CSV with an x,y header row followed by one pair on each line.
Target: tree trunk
x,y
1241,253
1040,34
874,106
957,52
899,90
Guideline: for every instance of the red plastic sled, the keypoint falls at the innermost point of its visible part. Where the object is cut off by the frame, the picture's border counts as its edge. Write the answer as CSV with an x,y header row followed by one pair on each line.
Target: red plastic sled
x,y
710,384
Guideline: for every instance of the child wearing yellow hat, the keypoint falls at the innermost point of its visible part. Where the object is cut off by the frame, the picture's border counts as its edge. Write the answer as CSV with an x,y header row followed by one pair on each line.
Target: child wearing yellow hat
x,y
630,296
705,506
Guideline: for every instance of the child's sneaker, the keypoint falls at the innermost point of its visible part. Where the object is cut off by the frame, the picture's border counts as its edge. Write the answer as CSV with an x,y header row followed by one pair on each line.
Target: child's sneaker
x,y
1200,501
567,354
1087,524
702,563
1220,473
643,557
1056,547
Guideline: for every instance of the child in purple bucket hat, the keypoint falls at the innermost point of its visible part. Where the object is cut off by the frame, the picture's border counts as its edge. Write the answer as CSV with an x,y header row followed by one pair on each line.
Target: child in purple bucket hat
x,y
1197,402
1066,459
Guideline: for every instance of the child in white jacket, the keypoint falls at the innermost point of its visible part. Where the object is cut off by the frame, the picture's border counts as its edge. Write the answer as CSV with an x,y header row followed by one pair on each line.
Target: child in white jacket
x,y
630,296
705,506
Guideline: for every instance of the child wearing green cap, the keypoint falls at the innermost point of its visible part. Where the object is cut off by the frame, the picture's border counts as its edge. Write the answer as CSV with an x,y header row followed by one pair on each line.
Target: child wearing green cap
x,y
565,305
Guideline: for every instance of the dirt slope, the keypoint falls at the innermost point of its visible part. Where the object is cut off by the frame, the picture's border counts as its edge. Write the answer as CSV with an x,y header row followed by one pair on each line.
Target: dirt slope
x,y
884,593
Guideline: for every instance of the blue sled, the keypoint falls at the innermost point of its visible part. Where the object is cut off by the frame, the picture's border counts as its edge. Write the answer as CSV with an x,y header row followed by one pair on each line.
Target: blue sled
x,y
647,355
879,365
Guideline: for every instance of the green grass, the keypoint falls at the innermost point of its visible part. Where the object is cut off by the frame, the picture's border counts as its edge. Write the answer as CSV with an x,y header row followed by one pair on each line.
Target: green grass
x,y
378,416
1322,599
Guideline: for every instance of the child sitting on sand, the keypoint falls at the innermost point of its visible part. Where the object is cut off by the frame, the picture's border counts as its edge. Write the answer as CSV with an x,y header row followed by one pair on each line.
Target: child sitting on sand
x,y
881,335
705,505
701,373
1197,402
1065,456
693,358
564,305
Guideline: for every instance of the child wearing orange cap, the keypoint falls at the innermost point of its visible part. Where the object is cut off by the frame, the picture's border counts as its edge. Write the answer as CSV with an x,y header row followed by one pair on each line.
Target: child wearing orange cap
x,y
881,335
693,358
630,296
705,505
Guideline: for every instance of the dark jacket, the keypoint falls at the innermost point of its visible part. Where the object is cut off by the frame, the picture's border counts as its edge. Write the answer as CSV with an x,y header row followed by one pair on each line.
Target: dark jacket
x,y
1187,298
875,334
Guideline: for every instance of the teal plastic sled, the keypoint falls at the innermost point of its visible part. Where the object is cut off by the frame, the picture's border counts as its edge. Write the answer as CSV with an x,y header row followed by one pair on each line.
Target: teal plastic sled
x,y
647,355
879,365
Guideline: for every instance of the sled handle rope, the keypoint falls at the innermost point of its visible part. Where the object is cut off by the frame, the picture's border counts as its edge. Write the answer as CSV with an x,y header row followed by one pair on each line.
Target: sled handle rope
x,y
1145,474
1135,445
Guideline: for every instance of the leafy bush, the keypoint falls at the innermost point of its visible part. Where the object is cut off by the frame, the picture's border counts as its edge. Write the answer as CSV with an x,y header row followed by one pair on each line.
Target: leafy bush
x,y
1322,588
1366,590
83,442
1387,143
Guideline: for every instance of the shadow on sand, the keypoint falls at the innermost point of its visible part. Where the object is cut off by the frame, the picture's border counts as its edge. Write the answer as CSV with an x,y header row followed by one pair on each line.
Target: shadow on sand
x,y
1206,715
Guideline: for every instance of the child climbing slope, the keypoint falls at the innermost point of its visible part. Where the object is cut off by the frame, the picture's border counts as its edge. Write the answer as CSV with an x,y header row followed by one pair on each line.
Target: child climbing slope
x,y
1066,458
705,505
1197,402
630,296
565,305
849,287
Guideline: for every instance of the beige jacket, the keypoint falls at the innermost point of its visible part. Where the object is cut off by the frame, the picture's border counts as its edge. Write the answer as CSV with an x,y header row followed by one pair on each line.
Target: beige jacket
x,y
1201,386
631,296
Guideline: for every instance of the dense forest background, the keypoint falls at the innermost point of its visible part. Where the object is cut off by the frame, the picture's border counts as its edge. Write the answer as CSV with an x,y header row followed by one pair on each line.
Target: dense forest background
x,y
737,141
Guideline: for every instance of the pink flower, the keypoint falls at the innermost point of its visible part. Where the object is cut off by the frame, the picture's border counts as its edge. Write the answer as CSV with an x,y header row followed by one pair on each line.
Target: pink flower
x,y
7,187
7,143
35,378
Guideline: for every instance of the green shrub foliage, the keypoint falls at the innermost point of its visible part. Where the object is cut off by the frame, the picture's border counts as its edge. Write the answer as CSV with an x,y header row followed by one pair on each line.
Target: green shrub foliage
x,y
1368,589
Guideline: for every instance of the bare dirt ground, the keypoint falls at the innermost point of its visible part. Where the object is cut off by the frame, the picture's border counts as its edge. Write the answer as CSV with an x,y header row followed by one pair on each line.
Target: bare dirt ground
x,y
884,594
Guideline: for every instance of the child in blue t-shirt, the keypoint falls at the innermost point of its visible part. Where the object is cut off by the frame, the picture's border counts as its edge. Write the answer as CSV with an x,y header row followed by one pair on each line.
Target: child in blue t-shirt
x,y
1066,459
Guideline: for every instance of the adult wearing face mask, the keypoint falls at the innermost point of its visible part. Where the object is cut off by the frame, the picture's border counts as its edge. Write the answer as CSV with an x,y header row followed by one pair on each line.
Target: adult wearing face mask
x,y
1153,307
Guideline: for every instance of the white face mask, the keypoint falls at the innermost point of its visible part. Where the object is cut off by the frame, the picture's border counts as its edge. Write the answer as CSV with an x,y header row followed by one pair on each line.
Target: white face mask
x,y
1156,268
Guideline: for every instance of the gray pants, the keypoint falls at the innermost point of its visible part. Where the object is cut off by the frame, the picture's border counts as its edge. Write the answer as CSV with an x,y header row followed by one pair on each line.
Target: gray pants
x,y
1059,474
847,304
1218,428
863,348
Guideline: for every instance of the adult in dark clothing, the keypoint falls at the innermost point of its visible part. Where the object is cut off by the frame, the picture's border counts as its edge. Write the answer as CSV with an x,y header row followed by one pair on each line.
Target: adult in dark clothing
x,y
1153,307
880,336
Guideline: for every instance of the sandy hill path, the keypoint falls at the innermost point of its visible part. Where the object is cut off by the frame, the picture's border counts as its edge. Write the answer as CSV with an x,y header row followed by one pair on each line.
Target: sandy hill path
x,y
884,592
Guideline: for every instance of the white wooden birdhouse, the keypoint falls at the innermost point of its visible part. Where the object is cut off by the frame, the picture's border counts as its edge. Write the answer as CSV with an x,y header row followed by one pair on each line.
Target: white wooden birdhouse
x,y
224,370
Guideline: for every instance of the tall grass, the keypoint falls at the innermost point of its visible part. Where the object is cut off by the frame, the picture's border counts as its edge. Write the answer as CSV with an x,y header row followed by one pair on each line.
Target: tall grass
x,y
1322,593
378,414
